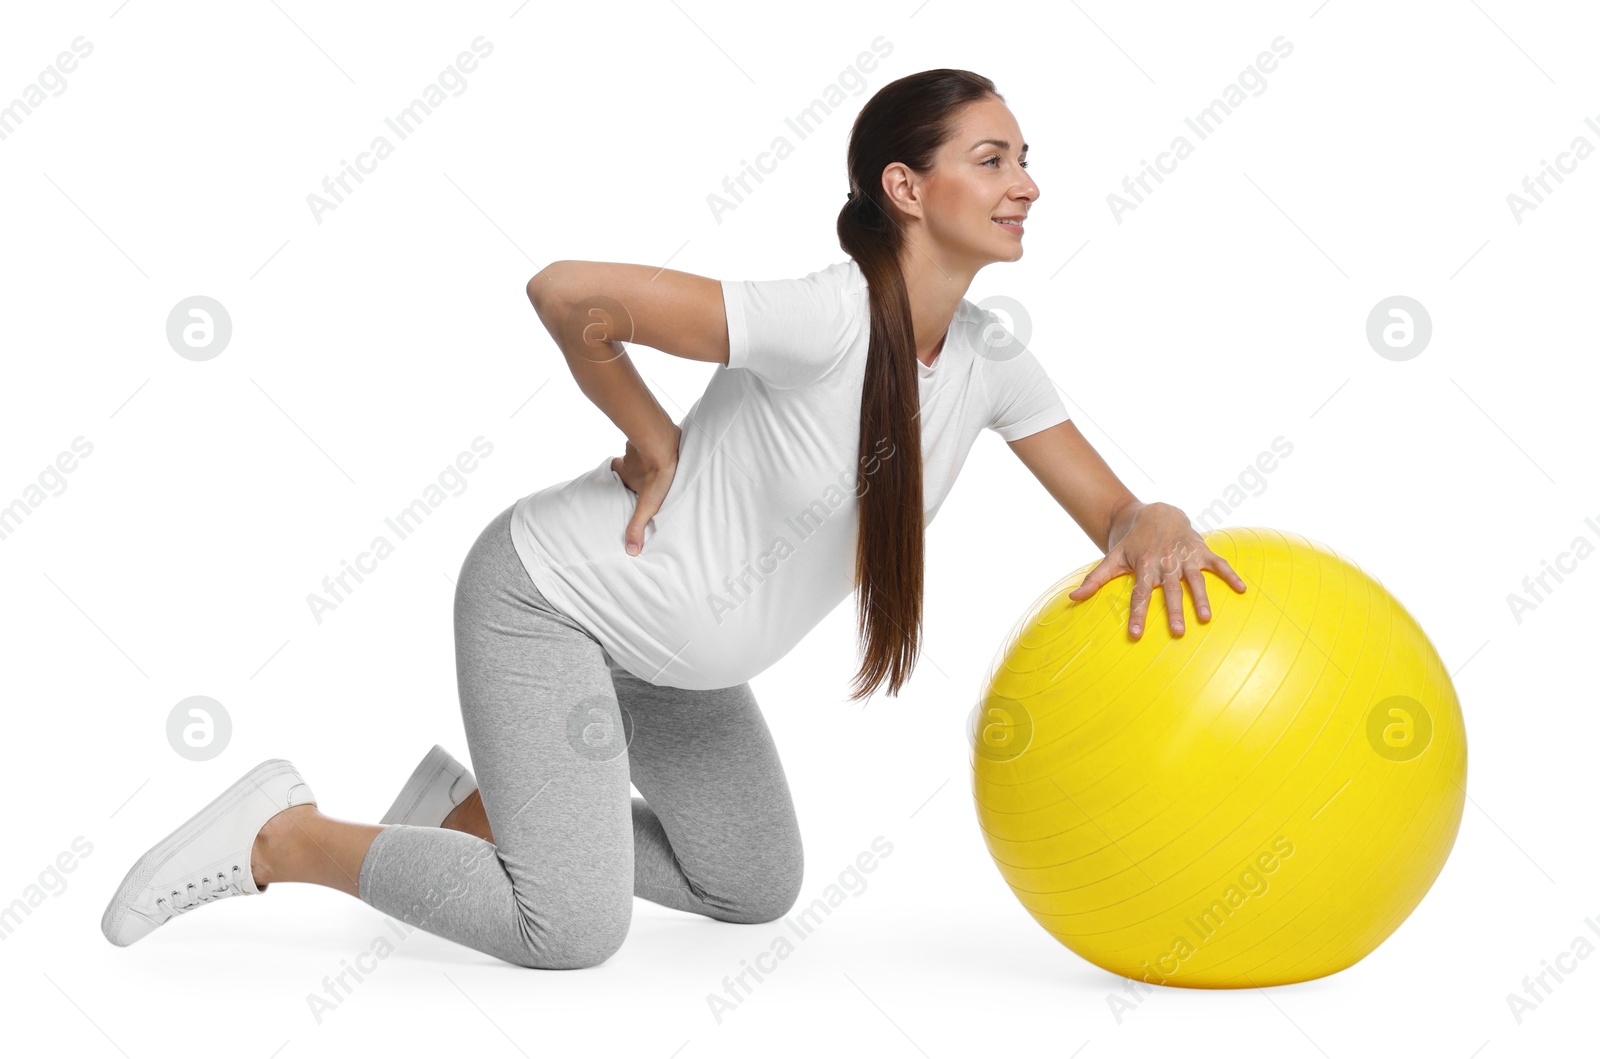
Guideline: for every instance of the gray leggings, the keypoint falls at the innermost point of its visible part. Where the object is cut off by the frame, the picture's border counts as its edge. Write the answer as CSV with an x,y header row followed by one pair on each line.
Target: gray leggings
x,y
556,731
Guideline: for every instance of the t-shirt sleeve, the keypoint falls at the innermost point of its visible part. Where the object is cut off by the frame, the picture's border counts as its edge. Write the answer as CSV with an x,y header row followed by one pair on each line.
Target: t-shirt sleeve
x,y
1022,398
788,332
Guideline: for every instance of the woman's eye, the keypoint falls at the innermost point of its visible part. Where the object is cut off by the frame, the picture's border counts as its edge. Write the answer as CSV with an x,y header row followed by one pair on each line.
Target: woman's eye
x,y
996,158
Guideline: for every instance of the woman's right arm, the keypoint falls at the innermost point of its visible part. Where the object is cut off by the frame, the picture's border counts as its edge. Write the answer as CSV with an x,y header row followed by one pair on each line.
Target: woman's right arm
x,y
591,307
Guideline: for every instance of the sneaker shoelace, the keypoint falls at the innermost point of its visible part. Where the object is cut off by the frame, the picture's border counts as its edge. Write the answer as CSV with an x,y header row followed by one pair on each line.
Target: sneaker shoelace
x,y
210,887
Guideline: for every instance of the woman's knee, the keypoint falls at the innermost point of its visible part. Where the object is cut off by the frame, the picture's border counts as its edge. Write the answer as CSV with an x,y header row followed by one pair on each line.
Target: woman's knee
x,y
770,894
571,939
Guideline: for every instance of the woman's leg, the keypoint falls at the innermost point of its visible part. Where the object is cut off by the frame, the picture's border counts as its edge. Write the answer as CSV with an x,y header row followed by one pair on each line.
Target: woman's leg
x,y
716,830
469,816
301,844
555,888
718,835
709,764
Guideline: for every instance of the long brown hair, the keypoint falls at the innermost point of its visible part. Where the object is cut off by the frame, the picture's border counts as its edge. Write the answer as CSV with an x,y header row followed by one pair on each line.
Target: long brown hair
x,y
906,121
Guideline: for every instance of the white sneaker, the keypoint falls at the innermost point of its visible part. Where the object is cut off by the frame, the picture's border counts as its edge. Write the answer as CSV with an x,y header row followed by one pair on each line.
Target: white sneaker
x,y
206,859
438,785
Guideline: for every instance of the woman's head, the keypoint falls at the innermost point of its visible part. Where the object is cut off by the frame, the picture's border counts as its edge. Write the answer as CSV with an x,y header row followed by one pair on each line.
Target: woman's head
x,y
934,159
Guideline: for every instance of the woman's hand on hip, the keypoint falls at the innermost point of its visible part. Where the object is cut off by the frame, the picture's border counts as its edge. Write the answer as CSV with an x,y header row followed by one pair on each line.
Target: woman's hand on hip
x,y
648,474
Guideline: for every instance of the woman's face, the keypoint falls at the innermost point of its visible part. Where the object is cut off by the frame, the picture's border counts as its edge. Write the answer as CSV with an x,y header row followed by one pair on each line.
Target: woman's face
x,y
979,178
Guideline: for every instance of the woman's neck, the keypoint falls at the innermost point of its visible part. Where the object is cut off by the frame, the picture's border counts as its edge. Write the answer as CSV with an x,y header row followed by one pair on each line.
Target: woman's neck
x,y
934,290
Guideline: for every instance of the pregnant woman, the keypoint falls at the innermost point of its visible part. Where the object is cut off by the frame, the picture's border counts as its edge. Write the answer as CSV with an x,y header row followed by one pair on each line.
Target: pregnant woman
x,y
607,627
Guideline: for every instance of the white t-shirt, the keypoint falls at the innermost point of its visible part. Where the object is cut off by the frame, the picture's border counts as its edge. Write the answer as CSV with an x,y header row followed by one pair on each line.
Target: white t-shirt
x,y
755,542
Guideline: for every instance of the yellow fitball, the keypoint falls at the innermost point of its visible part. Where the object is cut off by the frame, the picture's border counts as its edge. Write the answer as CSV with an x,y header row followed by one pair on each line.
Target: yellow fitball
x,y
1261,800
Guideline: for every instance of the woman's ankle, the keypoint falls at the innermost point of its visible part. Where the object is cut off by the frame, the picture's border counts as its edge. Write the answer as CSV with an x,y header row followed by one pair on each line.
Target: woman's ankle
x,y
468,816
276,842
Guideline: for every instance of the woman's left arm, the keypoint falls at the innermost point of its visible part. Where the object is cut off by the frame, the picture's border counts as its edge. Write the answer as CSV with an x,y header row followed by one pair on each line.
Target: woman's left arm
x,y
1154,542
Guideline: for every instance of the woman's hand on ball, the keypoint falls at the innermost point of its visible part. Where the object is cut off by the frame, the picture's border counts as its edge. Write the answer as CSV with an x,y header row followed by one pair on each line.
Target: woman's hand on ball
x,y
1159,546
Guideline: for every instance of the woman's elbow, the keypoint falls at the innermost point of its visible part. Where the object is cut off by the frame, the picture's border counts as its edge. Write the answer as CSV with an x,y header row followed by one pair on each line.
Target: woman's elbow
x,y
545,285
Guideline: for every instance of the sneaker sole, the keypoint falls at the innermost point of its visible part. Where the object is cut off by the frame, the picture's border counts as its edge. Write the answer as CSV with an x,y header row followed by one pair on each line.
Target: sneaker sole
x,y
138,876
433,763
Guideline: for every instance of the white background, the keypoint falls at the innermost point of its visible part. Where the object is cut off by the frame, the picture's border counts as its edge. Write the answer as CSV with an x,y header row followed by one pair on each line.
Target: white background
x,y
369,349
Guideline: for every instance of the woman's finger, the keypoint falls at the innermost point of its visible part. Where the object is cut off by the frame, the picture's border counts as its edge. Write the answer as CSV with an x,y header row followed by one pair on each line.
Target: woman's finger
x,y
1109,567
1195,575
1221,566
643,512
649,502
1144,582
1172,597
